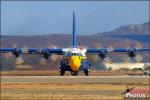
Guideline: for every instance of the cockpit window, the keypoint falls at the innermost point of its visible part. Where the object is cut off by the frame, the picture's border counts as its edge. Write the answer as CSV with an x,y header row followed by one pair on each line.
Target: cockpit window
x,y
76,54
72,54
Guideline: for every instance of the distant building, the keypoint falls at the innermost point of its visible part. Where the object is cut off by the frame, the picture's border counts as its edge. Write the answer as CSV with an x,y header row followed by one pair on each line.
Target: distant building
x,y
117,66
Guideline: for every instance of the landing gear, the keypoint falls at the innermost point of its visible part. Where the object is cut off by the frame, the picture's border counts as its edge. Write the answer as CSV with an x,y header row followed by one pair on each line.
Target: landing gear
x,y
74,73
86,73
61,72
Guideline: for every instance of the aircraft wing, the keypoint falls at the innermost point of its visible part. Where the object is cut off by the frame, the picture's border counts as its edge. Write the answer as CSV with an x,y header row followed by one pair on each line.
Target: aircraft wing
x,y
117,50
102,52
122,50
58,51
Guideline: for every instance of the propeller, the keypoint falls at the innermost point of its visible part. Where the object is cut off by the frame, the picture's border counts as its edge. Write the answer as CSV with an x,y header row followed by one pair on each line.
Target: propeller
x,y
25,50
81,46
94,58
42,61
102,53
107,60
127,44
46,55
14,43
54,57
138,45
138,58
19,60
111,50
125,59
17,51
110,47
132,56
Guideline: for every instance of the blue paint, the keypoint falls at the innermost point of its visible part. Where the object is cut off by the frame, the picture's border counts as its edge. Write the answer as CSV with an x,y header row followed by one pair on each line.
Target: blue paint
x,y
74,38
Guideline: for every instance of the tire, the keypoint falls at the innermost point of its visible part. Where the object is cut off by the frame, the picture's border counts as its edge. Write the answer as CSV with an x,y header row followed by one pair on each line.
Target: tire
x,y
74,73
62,72
86,73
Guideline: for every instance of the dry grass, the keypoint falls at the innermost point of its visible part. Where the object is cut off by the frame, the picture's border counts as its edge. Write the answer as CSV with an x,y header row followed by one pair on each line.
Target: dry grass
x,y
33,96
60,95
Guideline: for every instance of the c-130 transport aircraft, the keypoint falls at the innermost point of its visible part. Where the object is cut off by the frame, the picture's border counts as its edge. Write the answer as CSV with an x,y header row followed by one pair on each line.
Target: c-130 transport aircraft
x,y
74,59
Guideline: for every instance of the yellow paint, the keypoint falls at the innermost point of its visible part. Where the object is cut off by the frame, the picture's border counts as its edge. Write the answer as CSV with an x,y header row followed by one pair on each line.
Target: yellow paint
x,y
74,62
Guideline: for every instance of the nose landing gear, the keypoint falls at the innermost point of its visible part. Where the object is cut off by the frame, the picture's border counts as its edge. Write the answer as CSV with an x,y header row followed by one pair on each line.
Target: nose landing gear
x,y
74,73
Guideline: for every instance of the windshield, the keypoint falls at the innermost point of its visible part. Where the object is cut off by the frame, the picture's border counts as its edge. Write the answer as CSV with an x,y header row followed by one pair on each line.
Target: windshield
x,y
75,54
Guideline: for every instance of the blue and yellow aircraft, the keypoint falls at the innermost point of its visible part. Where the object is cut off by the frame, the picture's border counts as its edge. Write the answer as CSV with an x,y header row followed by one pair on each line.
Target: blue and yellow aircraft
x,y
74,59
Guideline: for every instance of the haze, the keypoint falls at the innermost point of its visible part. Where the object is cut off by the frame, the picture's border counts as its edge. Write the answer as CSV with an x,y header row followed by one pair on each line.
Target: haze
x,y
52,17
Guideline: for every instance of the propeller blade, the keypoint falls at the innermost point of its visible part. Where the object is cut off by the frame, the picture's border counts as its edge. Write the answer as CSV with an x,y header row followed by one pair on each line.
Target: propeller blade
x,y
54,57
25,49
98,45
14,43
50,45
94,58
127,44
110,47
107,60
138,45
126,59
19,60
138,58
81,46
42,61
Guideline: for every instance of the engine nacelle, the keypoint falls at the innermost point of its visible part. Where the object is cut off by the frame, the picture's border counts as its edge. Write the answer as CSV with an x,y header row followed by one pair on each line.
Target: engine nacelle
x,y
132,53
102,54
16,52
46,54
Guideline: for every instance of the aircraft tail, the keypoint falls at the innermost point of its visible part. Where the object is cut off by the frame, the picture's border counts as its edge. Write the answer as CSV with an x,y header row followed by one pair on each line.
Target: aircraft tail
x,y
74,37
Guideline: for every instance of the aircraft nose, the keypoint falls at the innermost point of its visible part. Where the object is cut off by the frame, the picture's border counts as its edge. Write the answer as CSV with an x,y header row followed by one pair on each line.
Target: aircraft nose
x,y
74,63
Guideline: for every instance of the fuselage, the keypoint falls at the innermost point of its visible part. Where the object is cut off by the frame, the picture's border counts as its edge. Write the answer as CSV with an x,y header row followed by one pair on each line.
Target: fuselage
x,y
74,59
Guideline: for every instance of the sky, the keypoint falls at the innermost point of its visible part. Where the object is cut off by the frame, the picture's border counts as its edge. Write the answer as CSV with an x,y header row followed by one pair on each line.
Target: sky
x,y
55,17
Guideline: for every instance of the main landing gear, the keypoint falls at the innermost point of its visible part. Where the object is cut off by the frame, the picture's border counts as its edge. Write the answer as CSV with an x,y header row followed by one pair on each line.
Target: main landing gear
x,y
86,73
61,72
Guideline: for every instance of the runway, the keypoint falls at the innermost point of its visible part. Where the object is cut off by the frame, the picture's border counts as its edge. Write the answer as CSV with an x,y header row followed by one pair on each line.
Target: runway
x,y
69,87
78,79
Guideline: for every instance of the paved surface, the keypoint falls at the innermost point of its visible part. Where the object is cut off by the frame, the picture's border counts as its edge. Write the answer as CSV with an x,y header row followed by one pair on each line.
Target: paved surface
x,y
78,79
35,87
64,91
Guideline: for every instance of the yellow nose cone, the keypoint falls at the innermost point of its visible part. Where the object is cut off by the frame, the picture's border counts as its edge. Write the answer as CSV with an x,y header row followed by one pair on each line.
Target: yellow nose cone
x,y
74,63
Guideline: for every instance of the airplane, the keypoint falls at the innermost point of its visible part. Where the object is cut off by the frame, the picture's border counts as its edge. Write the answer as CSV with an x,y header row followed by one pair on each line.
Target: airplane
x,y
74,59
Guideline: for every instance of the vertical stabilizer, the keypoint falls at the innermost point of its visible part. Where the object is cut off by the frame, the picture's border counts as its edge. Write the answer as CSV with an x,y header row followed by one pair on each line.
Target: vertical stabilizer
x,y
74,38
